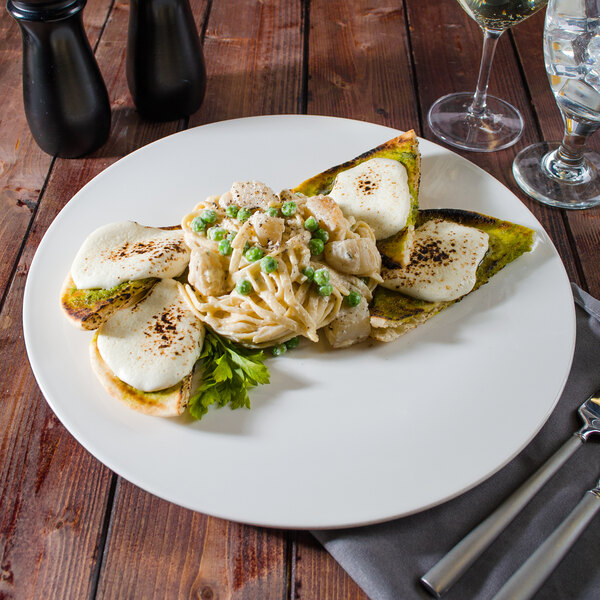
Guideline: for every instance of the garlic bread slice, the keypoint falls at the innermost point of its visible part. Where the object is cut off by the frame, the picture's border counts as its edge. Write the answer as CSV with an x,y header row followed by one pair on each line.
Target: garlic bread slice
x,y
145,355
88,309
169,402
394,313
371,186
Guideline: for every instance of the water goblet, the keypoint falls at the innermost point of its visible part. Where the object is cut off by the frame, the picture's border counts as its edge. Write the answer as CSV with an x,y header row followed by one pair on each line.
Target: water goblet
x,y
478,121
565,174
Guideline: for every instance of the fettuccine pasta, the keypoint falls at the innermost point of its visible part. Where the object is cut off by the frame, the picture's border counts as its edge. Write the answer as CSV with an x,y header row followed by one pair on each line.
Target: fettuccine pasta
x,y
254,258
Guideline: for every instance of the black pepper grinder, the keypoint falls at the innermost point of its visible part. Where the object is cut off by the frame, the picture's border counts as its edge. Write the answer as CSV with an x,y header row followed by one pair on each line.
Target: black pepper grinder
x,y
65,98
165,64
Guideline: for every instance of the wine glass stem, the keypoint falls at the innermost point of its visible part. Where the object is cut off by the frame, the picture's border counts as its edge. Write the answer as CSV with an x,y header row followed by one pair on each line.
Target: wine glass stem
x,y
490,40
567,163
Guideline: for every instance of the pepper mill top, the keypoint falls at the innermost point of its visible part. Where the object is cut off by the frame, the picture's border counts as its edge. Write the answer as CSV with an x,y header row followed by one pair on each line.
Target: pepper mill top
x,y
43,10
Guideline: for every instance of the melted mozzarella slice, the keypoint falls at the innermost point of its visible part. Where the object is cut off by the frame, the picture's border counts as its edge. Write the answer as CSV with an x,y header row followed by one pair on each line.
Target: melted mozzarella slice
x,y
127,251
443,263
375,191
154,344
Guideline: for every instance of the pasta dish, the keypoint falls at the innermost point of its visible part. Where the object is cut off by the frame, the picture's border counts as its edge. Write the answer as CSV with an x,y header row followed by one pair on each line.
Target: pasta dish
x,y
260,272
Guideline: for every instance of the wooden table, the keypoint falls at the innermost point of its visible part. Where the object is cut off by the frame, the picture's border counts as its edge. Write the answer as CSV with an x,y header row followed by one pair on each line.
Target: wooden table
x,y
69,527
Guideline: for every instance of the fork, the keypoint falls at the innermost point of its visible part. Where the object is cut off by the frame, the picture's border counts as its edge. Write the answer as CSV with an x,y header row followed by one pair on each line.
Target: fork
x,y
536,569
444,574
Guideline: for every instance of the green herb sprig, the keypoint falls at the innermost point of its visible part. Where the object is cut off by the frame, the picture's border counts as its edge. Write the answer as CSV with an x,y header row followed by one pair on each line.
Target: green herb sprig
x,y
228,372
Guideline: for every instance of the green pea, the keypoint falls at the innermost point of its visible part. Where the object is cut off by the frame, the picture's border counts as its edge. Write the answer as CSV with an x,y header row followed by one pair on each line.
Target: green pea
x,y
326,290
209,216
272,211
216,233
231,235
289,208
232,211
316,246
244,214
309,273
254,253
278,350
293,343
225,248
353,298
268,264
311,224
243,287
198,224
321,276
321,234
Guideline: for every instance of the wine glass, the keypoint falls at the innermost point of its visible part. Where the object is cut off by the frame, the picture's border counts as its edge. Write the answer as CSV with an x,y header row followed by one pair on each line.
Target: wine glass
x,y
481,122
565,174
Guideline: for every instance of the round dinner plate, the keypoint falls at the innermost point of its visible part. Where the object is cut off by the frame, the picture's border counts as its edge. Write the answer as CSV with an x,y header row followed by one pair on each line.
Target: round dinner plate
x,y
339,437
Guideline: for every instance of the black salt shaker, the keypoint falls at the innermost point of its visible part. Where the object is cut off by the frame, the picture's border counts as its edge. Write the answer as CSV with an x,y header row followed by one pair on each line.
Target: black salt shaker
x,y
66,103
165,64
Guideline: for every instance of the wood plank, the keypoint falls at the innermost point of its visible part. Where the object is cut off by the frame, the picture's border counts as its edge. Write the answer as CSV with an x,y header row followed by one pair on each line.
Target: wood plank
x,y
359,67
584,225
159,550
253,68
360,64
23,166
54,493
254,61
319,575
447,48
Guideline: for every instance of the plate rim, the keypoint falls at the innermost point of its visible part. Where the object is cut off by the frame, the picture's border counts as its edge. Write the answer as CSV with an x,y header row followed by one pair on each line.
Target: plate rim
x,y
97,452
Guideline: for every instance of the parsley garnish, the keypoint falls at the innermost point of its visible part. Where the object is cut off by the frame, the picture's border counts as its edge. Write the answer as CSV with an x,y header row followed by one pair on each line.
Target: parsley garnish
x,y
228,372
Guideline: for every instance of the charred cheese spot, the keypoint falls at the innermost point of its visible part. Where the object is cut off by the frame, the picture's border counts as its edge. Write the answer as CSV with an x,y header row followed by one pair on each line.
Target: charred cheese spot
x,y
443,263
154,344
126,251
375,191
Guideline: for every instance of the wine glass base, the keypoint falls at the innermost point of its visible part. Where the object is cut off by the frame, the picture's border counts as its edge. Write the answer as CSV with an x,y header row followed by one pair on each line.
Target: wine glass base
x,y
533,179
498,127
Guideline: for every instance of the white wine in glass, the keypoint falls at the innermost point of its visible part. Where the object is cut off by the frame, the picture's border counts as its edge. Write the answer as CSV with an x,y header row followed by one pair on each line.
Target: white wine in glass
x,y
567,175
478,121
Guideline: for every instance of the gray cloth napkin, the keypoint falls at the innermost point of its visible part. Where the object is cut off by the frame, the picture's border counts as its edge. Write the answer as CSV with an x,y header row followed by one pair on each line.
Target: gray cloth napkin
x,y
387,560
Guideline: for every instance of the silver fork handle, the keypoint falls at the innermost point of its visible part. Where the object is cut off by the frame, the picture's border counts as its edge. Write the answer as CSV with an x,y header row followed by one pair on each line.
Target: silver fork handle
x,y
528,579
443,575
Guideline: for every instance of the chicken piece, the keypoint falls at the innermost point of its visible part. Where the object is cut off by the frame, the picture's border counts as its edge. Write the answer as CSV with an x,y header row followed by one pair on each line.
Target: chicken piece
x,y
351,326
268,229
208,271
329,215
358,256
249,194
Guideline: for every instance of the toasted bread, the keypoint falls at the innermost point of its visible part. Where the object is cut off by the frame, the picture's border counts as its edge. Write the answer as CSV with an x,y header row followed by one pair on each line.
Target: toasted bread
x,y
393,313
88,309
404,149
163,403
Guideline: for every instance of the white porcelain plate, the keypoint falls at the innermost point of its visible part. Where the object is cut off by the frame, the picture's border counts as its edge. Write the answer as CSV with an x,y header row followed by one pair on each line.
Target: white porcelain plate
x,y
339,438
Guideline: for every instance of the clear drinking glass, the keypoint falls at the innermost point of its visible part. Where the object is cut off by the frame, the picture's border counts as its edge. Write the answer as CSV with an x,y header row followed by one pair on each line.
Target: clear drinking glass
x,y
478,121
565,174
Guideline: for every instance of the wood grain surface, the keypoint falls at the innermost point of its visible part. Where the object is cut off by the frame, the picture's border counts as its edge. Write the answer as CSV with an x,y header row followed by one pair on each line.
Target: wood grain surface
x,y
69,527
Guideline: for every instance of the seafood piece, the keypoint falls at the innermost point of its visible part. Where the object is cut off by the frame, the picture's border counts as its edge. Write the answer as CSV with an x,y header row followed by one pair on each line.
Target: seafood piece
x,y
249,194
268,229
351,326
329,215
358,256
208,271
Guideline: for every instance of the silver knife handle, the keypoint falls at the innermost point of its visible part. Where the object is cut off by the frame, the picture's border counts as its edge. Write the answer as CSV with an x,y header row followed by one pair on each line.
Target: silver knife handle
x,y
529,578
443,575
